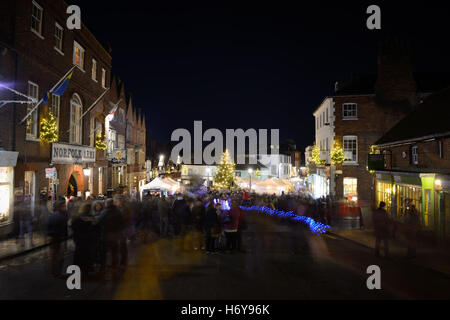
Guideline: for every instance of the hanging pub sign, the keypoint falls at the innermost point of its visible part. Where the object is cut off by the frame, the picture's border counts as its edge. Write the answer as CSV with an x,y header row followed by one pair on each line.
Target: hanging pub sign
x,y
69,154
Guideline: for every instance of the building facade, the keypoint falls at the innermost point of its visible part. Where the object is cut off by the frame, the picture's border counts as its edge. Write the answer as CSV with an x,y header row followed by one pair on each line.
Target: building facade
x,y
358,114
412,167
38,54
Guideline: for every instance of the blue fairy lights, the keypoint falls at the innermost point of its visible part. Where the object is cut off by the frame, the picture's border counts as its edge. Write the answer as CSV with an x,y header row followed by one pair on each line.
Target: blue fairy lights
x,y
316,227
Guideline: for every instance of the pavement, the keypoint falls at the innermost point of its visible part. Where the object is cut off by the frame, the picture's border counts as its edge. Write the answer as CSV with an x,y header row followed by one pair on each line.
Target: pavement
x,y
434,258
10,248
282,261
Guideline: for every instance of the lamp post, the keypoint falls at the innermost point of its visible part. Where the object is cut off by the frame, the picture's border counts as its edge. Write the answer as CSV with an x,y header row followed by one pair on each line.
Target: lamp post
x,y
250,171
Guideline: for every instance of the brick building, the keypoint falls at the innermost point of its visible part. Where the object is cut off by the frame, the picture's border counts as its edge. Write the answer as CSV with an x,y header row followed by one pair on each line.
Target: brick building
x,y
136,148
358,113
37,51
415,166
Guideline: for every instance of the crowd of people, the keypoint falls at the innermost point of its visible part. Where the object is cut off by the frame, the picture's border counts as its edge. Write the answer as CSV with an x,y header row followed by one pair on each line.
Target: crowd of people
x,y
102,229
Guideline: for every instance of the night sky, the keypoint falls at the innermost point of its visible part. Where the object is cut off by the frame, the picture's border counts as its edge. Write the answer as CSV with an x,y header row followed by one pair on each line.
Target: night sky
x,y
258,65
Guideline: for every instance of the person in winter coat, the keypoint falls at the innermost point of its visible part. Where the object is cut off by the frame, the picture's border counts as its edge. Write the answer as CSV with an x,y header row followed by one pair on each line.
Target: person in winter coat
x,y
83,226
211,227
198,217
381,223
413,226
164,216
111,224
231,227
126,233
97,209
25,221
57,231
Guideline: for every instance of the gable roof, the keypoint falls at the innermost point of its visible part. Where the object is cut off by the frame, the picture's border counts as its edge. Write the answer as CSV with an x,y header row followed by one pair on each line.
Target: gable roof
x,y
428,120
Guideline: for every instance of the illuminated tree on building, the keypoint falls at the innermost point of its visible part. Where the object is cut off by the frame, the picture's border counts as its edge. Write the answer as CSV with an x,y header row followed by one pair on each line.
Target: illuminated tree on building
x,y
49,129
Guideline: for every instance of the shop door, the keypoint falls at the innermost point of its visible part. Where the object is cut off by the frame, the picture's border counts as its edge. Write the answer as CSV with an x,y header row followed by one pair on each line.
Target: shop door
x,y
72,188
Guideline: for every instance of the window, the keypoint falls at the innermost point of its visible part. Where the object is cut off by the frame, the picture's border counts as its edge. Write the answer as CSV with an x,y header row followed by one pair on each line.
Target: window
x,y
32,120
94,70
327,145
350,144
58,38
327,117
321,121
121,141
317,122
441,149
36,18
75,119
414,155
92,132
78,55
103,78
349,111
56,102
350,187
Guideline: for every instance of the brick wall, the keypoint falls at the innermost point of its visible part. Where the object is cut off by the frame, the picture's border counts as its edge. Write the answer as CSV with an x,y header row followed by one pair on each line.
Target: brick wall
x,y
373,120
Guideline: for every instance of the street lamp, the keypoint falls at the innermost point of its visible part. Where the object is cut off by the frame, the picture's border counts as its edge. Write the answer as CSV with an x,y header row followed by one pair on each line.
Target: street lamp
x,y
250,171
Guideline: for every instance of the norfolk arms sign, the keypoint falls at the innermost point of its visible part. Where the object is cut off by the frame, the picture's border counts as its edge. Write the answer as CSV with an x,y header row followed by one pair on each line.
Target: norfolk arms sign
x,y
70,154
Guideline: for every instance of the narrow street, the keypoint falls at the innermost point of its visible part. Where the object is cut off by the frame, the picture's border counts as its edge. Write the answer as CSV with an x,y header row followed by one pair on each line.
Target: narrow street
x,y
281,261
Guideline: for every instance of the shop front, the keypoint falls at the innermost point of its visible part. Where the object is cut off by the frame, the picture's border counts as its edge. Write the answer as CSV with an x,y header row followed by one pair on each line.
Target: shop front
x,y
428,192
74,167
8,161
320,184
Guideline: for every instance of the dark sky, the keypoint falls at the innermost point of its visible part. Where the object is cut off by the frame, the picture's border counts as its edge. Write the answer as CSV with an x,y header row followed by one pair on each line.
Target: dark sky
x,y
253,65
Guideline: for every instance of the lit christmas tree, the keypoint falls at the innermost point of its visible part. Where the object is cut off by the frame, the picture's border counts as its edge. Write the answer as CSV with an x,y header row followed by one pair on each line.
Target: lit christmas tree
x,y
224,177
336,155
49,129
100,143
315,156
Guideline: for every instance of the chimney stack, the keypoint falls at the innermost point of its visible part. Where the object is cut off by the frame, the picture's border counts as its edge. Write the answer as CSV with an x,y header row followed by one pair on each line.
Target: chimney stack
x,y
395,82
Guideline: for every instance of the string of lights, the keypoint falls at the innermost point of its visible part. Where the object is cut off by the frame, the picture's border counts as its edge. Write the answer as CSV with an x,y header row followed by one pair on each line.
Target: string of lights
x,y
314,226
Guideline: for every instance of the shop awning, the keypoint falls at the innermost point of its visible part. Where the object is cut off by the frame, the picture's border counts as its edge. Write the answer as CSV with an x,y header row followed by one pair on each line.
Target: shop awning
x,y
8,158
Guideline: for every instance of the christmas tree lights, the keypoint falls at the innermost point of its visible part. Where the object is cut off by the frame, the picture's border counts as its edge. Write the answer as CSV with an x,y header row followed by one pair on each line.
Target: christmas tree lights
x,y
224,177
49,129
100,143
336,155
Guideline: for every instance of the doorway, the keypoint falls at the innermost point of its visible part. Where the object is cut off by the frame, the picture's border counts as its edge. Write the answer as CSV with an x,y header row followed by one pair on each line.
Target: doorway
x,y
72,188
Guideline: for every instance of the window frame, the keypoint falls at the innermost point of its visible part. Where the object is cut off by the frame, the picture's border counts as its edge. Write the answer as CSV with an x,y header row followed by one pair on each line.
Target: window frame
x,y
94,63
53,105
82,55
347,117
41,10
34,115
58,27
104,78
350,138
415,155
75,125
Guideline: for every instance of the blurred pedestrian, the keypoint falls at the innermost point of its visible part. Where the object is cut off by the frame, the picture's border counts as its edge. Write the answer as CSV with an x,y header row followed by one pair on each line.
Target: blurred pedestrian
x,y
198,216
25,221
111,223
211,227
57,231
382,225
164,216
83,226
413,226
126,233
